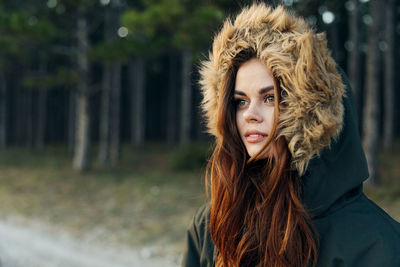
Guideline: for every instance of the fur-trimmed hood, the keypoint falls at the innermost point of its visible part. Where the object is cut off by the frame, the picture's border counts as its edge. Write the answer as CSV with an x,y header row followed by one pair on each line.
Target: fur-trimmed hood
x,y
311,112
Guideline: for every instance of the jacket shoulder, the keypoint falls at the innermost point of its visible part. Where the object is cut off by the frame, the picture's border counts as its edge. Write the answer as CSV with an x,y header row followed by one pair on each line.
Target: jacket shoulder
x,y
199,250
360,234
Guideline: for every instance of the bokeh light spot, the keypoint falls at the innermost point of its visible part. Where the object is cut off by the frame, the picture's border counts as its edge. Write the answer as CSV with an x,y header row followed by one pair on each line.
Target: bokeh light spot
x,y
104,2
312,20
32,20
51,3
288,2
383,46
349,5
367,19
328,17
349,45
123,32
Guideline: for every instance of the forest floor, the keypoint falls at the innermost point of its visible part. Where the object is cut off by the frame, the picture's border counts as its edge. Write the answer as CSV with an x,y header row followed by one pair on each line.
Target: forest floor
x,y
143,205
387,193
35,244
142,208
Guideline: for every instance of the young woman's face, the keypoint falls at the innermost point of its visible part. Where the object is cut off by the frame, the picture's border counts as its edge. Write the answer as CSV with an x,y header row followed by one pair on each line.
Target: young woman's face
x,y
254,99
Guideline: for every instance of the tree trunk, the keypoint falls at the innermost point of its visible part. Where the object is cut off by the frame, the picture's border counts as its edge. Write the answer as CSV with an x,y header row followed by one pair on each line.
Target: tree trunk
x,y
186,98
137,77
71,120
81,157
353,63
172,100
41,123
19,115
42,99
334,29
115,96
3,111
28,95
81,151
372,102
115,115
104,145
388,130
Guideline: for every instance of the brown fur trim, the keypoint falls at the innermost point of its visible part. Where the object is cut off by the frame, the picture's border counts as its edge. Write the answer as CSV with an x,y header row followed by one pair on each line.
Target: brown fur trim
x,y
311,109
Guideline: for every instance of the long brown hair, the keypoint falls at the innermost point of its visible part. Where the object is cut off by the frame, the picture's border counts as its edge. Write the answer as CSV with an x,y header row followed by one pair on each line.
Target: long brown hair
x,y
257,217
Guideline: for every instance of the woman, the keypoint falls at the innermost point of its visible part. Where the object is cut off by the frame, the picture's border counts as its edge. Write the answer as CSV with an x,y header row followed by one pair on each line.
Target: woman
x,y
285,178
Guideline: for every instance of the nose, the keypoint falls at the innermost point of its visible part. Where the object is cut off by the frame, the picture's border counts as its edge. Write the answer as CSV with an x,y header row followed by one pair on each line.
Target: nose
x,y
252,113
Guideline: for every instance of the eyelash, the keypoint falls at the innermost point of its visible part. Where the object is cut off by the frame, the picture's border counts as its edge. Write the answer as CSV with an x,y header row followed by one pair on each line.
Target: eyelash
x,y
239,101
267,99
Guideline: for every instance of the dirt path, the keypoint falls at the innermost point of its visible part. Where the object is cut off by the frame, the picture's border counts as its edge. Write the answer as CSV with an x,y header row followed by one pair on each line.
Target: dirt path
x,y
22,246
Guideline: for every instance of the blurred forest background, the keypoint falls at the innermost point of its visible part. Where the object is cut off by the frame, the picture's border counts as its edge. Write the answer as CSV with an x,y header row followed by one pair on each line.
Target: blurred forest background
x,y
99,106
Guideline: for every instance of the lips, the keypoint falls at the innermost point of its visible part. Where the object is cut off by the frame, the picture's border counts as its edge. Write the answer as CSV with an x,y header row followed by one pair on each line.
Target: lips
x,y
255,136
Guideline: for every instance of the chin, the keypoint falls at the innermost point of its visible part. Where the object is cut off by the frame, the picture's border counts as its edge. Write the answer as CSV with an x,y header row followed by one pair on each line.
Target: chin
x,y
253,149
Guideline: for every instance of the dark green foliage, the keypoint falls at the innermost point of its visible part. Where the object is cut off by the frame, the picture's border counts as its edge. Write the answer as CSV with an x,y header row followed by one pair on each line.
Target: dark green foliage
x,y
173,24
190,157
62,77
114,50
197,30
152,26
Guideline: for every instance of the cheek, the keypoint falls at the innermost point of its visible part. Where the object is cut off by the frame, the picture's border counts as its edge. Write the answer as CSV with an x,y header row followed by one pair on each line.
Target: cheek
x,y
270,117
239,121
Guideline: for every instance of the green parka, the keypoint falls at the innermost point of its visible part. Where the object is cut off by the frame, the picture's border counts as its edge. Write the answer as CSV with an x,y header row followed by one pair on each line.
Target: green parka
x,y
352,230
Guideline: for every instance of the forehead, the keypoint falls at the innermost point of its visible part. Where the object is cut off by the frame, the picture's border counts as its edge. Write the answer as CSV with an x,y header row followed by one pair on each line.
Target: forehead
x,y
253,74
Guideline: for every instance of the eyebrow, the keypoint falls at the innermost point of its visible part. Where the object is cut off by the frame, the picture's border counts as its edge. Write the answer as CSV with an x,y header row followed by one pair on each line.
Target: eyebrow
x,y
260,92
